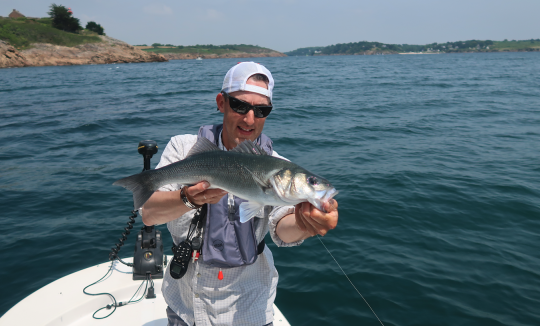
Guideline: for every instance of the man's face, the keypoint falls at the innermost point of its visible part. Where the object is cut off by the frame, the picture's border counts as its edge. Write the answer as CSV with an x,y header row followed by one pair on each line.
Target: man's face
x,y
239,127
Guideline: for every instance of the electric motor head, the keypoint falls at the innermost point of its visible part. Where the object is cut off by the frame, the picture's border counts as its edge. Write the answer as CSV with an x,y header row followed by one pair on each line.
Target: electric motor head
x,y
147,147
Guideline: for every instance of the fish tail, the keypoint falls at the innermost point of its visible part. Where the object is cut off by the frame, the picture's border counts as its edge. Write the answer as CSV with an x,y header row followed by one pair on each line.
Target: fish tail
x,y
141,185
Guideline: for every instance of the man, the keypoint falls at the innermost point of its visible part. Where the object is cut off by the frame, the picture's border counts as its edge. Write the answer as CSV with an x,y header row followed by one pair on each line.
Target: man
x,y
234,282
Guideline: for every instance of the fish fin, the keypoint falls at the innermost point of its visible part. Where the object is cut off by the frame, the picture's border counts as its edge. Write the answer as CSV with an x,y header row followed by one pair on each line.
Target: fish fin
x,y
249,147
139,185
202,145
260,182
248,209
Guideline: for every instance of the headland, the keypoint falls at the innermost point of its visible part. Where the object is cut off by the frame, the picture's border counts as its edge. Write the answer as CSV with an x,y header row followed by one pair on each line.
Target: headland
x,y
172,52
378,48
26,42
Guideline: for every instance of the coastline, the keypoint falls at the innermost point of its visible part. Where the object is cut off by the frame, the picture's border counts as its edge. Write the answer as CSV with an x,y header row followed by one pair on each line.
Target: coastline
x,y
191,56
420,53
408,53
110,50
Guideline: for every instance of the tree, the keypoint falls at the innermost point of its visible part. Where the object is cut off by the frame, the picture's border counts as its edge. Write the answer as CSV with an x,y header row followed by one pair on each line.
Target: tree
x,y
94,27
63,19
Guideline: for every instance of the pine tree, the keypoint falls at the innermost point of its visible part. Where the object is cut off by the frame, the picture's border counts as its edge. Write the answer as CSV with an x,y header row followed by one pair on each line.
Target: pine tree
x,y
62,19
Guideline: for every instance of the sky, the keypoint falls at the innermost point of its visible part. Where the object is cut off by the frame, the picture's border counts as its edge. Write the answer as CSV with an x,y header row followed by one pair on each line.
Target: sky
x,y
285,25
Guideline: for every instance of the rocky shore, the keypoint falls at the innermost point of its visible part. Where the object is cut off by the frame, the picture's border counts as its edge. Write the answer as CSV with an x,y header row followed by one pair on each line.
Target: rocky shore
x,y
187,56
108,51
10,57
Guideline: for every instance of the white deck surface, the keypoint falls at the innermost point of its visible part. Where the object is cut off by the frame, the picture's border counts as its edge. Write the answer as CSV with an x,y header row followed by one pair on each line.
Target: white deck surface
x,y
62,302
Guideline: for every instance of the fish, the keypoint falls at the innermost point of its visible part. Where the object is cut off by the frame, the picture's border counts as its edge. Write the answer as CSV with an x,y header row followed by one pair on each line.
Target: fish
x,y
246,171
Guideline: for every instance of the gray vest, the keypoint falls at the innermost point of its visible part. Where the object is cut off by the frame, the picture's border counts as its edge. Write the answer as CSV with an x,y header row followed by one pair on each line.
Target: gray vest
x,y
227,242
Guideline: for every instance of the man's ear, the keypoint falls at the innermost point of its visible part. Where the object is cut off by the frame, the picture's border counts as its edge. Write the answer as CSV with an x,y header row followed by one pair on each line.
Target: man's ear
x,y
220,101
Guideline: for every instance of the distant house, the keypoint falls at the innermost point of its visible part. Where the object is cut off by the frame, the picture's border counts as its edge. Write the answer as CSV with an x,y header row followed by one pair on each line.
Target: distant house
x,y
15,14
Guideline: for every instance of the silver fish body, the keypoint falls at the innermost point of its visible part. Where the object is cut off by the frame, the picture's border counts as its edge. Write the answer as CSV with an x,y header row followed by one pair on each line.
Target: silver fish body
x,y
246,172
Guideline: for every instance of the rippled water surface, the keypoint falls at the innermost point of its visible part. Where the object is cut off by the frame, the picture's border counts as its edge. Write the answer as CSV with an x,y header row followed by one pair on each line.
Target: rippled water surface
x,y
437,159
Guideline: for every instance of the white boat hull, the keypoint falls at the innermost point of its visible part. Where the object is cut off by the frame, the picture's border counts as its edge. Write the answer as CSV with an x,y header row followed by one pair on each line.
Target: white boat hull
x,y
63,302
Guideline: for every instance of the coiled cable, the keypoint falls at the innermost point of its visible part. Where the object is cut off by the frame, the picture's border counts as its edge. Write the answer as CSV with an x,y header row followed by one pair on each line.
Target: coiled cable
x,y
127,230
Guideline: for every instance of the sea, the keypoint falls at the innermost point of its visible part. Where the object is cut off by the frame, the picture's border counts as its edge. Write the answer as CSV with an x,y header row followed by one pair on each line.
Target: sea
x,y
436,159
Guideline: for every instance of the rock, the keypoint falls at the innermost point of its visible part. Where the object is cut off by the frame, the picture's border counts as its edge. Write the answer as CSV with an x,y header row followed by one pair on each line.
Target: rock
x,y
10,57
108,51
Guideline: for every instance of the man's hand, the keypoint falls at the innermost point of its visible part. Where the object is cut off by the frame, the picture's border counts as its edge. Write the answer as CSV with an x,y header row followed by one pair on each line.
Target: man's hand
x,y
199,194
314,221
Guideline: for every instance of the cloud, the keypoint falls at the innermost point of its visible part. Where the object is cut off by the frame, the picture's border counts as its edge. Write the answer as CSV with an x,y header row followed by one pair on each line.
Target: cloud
x,y
157,9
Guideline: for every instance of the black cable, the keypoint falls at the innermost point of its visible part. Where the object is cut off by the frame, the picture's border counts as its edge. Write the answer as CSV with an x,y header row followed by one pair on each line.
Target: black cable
x,y
113,255
197,218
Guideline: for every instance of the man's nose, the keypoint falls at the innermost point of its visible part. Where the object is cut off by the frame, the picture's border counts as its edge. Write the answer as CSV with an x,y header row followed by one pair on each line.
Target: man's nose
x,y
249,118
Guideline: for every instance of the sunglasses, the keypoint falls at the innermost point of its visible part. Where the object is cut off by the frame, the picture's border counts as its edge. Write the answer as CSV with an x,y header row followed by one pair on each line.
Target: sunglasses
x,y
241,107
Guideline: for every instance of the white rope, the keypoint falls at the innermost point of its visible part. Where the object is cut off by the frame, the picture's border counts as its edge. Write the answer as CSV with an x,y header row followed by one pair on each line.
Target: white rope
x,y
350,280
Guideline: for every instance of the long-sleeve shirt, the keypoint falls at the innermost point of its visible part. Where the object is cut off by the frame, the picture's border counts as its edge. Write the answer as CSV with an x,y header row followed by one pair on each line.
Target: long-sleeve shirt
x,y
246,294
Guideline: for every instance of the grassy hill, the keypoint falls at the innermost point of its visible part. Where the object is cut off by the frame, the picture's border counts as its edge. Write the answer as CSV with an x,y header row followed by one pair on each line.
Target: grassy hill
x,y
21,32
365,47
208,49
525,45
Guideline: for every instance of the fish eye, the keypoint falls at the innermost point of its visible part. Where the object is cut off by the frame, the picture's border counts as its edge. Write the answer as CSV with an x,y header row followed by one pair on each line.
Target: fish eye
x,y
312,181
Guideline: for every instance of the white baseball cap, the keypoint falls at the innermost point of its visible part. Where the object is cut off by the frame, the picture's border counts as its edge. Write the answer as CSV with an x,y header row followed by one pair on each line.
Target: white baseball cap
x,y
236,78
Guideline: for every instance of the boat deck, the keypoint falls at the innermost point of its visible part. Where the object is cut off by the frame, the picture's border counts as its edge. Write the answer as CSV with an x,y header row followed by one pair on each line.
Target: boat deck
x,y
62,302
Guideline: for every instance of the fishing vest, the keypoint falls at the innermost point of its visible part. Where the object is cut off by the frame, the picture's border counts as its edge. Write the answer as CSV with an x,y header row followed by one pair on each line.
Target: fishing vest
x,y
227,241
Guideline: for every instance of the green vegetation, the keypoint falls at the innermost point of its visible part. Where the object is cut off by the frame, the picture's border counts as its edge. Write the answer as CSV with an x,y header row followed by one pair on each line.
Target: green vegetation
x,y
365,47
306,51
21,32
94,27
208,49
62,18
526,45
60,29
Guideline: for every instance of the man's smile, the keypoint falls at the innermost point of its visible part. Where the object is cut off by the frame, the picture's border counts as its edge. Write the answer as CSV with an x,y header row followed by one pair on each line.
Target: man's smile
x,y
245,131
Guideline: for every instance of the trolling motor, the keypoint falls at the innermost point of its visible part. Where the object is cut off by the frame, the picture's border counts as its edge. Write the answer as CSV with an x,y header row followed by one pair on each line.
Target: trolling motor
x,y
148,256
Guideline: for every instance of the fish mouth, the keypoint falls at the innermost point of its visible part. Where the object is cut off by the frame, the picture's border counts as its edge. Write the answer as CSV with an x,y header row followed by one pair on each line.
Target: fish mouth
x,y
323,197
329,195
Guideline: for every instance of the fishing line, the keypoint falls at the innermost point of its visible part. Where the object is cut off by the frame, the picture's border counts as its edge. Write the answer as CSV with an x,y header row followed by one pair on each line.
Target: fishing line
x,y
350,280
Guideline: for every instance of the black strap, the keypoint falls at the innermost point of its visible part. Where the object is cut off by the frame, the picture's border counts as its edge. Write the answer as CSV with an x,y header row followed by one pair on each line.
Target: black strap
x,y
260,247
199,220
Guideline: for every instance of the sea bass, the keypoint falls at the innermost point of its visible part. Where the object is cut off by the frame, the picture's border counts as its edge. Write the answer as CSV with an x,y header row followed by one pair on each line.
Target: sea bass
x,y
247,172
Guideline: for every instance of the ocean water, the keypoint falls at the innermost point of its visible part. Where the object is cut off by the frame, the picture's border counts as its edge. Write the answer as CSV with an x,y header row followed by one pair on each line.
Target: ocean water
x,y
437,160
